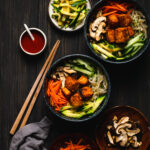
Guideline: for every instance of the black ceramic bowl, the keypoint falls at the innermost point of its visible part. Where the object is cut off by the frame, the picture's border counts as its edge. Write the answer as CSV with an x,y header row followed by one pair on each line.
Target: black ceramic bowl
x,y
91,16
61,62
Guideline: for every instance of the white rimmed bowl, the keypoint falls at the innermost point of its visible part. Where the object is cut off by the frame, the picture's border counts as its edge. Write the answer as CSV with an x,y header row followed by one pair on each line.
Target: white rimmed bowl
x,y
45,41
50,12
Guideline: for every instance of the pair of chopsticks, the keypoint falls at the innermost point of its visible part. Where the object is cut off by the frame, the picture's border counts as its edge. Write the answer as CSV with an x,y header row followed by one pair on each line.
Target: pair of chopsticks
x,y
36,86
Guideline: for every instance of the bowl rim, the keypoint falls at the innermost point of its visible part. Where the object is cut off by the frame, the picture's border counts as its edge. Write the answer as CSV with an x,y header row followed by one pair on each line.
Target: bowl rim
x,y
71,134
143,49
67,29
98,111
45,41
119,107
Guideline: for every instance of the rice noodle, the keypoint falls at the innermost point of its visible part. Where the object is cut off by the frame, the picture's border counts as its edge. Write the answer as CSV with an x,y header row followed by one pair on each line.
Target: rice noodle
x,y
98,84
139,22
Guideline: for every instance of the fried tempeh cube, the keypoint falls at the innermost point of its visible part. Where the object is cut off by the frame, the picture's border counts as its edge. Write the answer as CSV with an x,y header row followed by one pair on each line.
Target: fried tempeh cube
x,y
86,92
125,20
83,80
131,31
71,83
110,35
121,35
76,100
113,20
66,92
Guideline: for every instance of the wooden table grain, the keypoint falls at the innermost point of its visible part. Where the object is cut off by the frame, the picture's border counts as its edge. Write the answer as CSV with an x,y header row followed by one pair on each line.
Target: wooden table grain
x,y
130,83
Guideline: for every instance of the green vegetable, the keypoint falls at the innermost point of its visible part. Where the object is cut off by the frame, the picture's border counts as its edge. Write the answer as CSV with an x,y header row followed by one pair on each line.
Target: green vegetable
x,y
66,107
103,51
56,9
84,63
56,15
74,10
96,104
134,40
74,20
81,2
84,71
87,106
73,114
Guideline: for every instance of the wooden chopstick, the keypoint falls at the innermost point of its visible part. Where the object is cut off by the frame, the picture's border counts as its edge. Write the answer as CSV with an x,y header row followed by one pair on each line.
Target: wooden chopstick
x,y
17,121
36,93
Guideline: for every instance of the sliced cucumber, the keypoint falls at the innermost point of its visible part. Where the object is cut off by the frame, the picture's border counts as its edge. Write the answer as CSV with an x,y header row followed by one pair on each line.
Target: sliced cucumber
x,y
73,114
96,105
66,107
103,51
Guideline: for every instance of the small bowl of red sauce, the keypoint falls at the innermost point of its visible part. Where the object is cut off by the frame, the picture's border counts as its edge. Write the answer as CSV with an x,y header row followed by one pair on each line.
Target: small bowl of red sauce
x,y
36,46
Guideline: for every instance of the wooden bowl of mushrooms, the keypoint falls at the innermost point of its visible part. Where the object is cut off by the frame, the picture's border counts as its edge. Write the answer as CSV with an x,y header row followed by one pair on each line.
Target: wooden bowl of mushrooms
x,y
123,127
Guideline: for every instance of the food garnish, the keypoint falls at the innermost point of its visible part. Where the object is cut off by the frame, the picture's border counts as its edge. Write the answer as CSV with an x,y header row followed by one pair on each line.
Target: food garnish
x,y
69,13
71,146
124,132
118,31
77,88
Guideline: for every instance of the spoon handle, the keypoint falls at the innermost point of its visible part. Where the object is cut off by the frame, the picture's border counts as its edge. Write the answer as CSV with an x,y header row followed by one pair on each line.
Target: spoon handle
x,y
28,30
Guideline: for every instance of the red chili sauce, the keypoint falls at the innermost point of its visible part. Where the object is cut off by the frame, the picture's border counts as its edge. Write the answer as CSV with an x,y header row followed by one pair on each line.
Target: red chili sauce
x,y
33,46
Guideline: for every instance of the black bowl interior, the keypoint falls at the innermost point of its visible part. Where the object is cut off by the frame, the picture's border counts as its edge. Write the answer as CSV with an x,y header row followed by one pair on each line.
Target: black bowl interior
x,y
61,62
91,16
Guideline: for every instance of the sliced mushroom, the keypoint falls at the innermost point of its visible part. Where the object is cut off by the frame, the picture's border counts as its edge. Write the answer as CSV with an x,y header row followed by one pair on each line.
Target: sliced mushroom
x,y
122,140
62,78
100,30
96,23
92,33
123,126
135,143
110,137
97,28
69,70
133,132
109,127
121,121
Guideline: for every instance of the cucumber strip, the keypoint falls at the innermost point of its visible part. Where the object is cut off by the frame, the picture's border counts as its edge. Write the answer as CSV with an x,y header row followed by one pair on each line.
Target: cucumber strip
x,y
81,62
73,114
134,40
76,4
66,108
103,51
96,105
84,71
56,15
128,50
103,55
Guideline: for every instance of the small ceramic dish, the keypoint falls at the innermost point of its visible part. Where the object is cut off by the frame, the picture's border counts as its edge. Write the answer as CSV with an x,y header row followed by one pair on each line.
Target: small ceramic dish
x,y
50,12
40,35
75,138
120,111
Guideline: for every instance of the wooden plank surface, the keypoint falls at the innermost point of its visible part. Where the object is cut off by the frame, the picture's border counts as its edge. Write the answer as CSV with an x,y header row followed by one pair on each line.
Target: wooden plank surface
x,y
130,83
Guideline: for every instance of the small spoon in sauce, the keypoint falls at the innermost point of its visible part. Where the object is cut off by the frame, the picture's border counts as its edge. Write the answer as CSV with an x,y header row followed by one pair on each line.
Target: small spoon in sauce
x,y
28,30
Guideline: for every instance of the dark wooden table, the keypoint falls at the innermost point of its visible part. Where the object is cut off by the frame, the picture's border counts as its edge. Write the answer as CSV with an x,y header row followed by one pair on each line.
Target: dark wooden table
x,y
130,83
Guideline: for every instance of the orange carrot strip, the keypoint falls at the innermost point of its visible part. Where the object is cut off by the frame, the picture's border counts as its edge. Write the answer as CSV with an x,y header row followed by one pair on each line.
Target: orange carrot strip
x,y
121,7
130,11
110,13
114,8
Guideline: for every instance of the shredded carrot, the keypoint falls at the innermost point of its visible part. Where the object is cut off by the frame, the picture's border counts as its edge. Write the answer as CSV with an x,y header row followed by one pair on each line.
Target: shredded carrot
x,y
78,146
121,7
115,7
110,13
130,11
57,99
